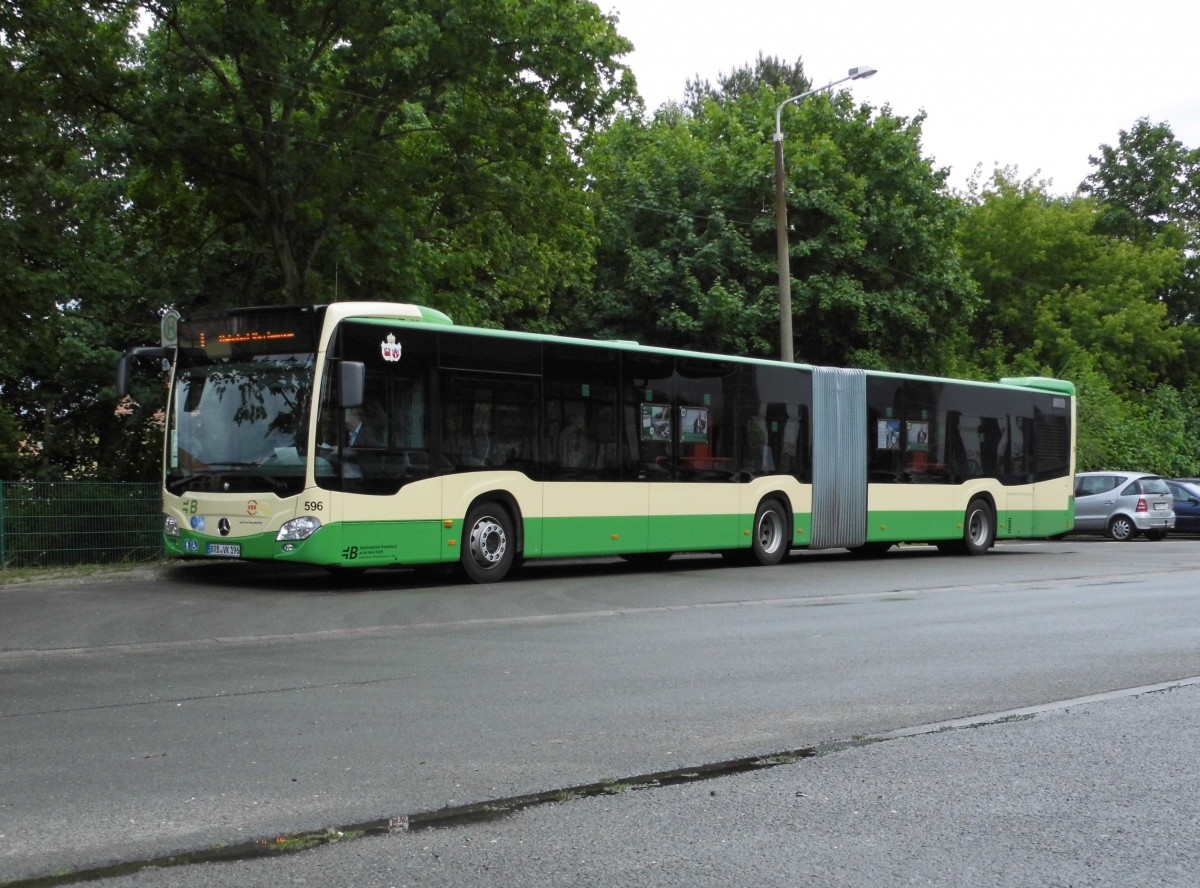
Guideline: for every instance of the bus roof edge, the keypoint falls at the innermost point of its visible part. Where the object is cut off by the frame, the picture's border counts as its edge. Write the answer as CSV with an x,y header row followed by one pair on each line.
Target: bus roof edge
x,y
1043,383
396,311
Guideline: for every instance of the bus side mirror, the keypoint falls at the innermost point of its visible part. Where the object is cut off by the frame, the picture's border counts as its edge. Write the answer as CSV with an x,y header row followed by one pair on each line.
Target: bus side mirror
x,y
352,377
134,354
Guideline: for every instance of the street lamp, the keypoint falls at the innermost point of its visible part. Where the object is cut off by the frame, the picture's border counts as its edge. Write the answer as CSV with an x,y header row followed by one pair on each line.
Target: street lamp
x,y
781,229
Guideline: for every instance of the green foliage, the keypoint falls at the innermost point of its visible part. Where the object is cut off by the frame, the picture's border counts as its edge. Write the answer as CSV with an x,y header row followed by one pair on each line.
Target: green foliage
x,y
466,156
678,216
1148,188
244,153
1066,298
782,77
75,293
1154,433
878,280
685,208
1054,287
353,148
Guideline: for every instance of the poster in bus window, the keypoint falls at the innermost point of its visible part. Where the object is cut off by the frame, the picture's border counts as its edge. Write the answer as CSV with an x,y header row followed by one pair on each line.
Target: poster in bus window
x,y
693,425
888,431
918,435
656,422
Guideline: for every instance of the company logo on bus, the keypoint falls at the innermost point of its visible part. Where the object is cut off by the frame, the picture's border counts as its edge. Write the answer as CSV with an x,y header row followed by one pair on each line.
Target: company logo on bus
x,y
390,348
255,509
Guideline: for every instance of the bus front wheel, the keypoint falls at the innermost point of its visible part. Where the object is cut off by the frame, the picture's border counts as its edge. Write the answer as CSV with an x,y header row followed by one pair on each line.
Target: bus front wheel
x,y
489,543
771,538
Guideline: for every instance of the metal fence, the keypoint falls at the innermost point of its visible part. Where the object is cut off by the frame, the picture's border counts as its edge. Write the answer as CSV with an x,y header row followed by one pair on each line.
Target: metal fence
x,y
61,523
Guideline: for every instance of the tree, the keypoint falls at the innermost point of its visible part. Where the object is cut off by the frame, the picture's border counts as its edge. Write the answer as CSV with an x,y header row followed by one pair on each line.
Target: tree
x,y
417,151
1064,298
1148,188
684,204
770,71
675,263
1156,432
1054,286
71,290
242,153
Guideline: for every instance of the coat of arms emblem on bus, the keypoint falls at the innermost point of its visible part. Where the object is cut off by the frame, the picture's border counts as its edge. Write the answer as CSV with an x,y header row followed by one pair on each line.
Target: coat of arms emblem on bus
x,y
390,348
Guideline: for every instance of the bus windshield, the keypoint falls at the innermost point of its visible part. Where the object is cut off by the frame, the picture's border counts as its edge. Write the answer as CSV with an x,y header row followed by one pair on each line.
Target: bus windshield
x,y
239,425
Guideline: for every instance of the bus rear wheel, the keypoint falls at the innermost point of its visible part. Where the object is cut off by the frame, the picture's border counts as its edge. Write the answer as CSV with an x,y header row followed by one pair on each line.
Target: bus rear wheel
x,y
489,543
771,539
979,531
979,535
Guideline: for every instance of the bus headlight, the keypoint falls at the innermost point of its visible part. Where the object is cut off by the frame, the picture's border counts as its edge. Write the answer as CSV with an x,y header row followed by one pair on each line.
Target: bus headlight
x,y
170,526
298,529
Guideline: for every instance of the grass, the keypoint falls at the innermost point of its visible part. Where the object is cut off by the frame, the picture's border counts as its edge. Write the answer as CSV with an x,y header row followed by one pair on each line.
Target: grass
x,y
19,576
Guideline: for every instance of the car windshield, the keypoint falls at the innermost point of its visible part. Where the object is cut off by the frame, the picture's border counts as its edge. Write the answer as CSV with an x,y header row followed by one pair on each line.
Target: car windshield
x,y
240,426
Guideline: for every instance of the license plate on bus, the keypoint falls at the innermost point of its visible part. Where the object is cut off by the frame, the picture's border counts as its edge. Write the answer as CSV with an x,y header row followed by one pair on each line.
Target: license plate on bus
x,y
225,550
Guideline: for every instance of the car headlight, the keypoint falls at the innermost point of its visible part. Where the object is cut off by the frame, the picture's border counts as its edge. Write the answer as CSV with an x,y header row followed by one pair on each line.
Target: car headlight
x,y
298,528
170,526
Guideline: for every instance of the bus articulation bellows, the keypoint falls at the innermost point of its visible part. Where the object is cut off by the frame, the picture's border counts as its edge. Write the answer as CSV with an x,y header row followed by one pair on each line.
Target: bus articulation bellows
x,y
365,434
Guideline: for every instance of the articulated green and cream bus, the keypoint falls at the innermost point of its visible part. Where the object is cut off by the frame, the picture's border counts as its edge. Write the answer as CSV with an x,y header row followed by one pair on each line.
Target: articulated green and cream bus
x,y
365,434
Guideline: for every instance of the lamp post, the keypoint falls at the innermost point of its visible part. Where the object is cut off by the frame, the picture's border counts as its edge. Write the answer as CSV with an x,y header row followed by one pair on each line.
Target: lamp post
x,y
781,229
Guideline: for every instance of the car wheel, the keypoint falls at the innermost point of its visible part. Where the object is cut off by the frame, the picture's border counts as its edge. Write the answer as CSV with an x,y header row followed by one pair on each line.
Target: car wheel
x,y
490,546
1121,528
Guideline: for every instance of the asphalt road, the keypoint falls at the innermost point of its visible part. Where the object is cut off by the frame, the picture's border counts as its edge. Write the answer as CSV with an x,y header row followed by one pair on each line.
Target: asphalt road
x,y
211,705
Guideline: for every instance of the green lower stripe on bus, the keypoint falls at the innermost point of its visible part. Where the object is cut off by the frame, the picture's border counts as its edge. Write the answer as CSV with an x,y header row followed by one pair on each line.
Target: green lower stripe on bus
x,y
567,537
906,526
616,534
379,543
1052,522
915,526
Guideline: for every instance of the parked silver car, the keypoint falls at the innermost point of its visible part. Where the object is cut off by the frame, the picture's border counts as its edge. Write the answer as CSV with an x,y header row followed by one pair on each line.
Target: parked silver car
x,y
1123,504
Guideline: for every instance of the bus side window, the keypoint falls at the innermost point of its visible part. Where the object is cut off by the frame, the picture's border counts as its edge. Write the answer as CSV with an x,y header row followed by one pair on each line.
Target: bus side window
x,y
647,383
885,426
580,433
706,393
772,406
489,421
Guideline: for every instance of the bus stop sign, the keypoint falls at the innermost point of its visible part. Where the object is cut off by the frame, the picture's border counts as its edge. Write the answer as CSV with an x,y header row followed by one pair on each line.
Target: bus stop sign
x,y
170,328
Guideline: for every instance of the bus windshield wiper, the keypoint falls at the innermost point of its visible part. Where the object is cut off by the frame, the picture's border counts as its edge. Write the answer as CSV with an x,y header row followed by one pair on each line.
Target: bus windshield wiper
x,y
188,479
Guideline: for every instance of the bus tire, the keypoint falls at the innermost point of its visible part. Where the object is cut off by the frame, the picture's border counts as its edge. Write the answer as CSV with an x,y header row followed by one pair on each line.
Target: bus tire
x,y
489,544
770,540
979,527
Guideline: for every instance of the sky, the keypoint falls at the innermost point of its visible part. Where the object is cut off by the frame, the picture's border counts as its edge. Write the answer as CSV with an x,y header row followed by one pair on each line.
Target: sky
x,y
1038,86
